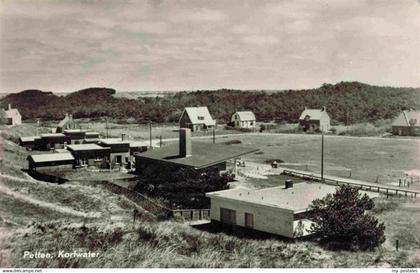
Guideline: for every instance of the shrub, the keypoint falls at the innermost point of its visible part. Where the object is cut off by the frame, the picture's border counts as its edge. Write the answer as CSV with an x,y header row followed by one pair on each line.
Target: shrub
x,y
340,220
234,141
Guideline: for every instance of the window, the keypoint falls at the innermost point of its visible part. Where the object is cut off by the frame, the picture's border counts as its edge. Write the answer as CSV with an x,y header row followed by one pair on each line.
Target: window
x,y
228,216
249,220
251,123
200,118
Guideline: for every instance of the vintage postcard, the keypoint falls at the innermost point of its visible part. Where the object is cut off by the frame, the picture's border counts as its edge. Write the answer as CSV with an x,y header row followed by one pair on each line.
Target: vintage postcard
x,y
209,134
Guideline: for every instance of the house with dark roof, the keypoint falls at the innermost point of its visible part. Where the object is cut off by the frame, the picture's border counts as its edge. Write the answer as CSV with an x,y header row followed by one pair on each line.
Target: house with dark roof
x,y
280,210
197,119
407,124
13,116
28,142
243,119
66,123
315,119
193,155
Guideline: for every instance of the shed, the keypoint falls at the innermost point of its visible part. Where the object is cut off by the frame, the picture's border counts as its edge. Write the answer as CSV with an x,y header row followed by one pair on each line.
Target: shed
x,y
65,160
197,119
407,123
315,119
244,119
28,142
50,141
119,150
74,136
90,155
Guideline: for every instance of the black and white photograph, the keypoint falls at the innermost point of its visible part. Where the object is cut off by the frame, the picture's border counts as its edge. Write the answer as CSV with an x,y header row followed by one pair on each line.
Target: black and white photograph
x,y
252,134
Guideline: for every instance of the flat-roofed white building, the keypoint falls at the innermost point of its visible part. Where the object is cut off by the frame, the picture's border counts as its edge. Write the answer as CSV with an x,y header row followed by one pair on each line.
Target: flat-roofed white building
x,y
277,210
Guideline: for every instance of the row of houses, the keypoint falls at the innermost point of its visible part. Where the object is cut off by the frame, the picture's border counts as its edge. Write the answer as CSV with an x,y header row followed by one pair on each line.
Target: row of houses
x,y
199,118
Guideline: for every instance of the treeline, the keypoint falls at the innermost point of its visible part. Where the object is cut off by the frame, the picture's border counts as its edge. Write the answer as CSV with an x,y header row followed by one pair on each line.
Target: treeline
x,y
346,102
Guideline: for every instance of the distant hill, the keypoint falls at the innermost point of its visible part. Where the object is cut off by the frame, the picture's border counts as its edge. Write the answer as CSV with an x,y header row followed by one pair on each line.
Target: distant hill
x,y
346,102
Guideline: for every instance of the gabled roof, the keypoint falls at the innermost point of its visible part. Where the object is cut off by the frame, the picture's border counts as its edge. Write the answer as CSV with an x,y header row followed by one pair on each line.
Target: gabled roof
x,y
195,112
314,114
245,115
405,117
203,154
297,199
51,157
64,121
12,113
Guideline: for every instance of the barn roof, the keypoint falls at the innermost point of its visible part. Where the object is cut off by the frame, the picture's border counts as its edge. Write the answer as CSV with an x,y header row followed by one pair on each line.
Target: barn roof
x,y
203,154
245,115
298,198
405,117
86,147
51,157
314,114
195,112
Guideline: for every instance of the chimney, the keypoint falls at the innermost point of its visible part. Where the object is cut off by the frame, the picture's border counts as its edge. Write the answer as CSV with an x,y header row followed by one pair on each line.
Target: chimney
x,y
288,184
324,108
10,106
306,108
185,149
71,117
122,137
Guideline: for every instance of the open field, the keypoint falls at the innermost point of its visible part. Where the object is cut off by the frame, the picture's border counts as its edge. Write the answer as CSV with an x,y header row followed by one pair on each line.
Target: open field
x,y
85,215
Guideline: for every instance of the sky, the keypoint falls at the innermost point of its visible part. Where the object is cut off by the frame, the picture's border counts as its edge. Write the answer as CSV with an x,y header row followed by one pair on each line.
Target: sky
x,y
63,46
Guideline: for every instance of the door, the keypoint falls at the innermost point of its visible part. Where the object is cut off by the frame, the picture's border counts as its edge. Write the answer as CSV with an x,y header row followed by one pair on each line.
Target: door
x,y
228,216
249,220
119,159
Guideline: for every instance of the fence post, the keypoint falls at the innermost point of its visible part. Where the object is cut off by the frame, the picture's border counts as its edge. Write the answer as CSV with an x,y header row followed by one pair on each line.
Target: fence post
x,y
396,244
399,184
199,214
386,193
192,215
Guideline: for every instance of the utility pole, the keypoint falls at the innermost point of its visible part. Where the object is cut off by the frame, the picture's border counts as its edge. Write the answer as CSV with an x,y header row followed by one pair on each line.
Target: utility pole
x,y
160,141
214,135
322,156
106,119
150,134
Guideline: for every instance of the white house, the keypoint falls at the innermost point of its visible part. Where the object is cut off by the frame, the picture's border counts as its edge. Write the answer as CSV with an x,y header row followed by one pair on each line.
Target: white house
x,y
277,210
196,118
13,116
315,119
243,119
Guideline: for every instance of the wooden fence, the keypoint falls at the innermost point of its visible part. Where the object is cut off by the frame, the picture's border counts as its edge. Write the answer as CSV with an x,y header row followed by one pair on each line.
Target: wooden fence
x,y
388,190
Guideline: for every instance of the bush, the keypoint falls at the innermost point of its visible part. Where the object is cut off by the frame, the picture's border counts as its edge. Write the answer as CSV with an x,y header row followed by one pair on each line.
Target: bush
x,y
234,141
340,220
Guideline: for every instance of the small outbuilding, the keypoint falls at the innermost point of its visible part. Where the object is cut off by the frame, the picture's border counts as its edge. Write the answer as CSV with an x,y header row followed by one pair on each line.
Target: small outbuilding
x,y
407,124
278,210
74,136
119,150
28,142
196,119
13,116
244,119
50,161
315,119
51,141
91,137
90,155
